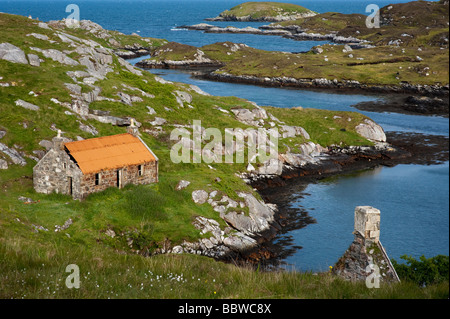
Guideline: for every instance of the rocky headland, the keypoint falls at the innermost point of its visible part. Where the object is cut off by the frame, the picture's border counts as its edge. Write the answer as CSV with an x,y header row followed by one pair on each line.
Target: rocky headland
x,y
264,11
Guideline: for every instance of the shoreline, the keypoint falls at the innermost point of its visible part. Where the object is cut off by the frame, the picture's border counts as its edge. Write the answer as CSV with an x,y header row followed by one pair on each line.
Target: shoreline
x,y
408,148
406,98
403,150
321,83
295,33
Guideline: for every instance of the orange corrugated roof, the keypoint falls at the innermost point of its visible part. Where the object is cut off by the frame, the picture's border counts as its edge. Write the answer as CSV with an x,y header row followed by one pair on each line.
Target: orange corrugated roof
x,y
109,152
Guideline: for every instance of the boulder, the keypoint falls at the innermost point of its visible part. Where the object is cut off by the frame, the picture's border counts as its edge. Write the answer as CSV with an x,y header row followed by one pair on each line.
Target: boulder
x,y
34,60
12,53
200,196
259,218
239,242
371,131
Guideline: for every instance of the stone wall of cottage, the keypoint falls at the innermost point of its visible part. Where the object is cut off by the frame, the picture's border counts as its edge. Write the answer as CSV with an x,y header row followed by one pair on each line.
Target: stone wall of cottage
x,y
108,178
56,173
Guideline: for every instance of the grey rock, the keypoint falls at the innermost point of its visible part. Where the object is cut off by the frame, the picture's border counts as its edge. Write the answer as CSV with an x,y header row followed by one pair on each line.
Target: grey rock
x,y
3,164
184,96
259,218
13,154
271,167
44,25
243,115
111,233
12,53
128,99
38,36
182,185
151,110
34,60
177,250
317,50
88,129
66,225
198,90
27,105
60,57
239,242
199,196
47,144
371,131
158,121
74,88
129,67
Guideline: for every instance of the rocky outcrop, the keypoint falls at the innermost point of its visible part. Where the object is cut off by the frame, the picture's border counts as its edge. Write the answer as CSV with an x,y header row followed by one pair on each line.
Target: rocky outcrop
x,y
14,155
245,231
12,53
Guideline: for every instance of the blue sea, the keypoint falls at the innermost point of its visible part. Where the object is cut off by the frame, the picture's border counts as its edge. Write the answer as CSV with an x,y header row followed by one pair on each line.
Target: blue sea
x,y
413,199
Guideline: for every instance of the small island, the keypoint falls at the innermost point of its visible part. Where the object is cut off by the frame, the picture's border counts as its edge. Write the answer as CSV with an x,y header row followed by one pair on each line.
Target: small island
x,y
264,11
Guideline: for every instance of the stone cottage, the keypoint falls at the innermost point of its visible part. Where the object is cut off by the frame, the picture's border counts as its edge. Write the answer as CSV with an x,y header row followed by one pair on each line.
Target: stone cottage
x,y
84,167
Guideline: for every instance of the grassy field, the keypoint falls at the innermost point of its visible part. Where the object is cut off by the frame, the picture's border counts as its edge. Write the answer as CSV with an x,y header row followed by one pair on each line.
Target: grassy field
x,y
34,266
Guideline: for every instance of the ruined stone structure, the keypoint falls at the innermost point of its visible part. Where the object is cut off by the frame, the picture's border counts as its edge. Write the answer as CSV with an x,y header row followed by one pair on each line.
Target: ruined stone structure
x,y
83,167
366,258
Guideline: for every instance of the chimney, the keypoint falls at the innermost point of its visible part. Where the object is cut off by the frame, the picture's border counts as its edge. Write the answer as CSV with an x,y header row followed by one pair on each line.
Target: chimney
x,y
132,128
367,223
58,142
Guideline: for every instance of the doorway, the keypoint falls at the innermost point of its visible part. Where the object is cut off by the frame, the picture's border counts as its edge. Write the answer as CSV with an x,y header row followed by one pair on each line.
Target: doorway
x,y
119,178
70,184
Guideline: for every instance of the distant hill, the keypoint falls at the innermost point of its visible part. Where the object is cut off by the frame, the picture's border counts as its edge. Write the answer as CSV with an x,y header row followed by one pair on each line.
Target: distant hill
x,y
264,11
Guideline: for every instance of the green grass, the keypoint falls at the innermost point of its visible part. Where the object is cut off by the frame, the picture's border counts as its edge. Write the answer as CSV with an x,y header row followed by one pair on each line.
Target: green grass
x,y
34,266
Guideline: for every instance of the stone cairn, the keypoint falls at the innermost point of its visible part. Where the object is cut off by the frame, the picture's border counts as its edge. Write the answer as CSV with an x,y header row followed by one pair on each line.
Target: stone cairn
x,y
366,258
